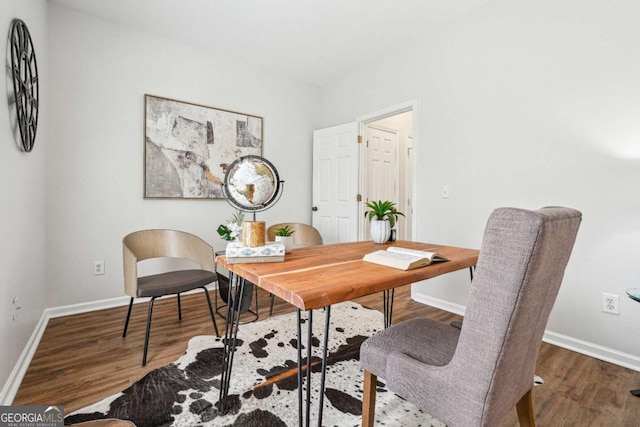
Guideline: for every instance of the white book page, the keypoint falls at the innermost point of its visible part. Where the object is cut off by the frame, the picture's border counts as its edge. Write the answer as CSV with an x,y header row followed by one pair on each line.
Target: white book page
x,y
396,255
412,252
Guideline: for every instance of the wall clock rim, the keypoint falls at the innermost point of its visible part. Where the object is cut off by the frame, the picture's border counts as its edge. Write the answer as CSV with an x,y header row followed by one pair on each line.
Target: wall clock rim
x,y
26,87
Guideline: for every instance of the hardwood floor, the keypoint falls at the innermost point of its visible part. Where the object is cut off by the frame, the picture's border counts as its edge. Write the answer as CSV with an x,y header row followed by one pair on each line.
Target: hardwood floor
x,y
83,358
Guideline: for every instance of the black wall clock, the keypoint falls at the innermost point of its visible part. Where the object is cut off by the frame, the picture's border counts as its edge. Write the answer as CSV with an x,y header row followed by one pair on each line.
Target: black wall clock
x,y
24,70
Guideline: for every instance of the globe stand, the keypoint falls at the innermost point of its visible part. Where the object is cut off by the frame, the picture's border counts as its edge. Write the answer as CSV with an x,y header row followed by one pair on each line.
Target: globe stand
x,y
251,185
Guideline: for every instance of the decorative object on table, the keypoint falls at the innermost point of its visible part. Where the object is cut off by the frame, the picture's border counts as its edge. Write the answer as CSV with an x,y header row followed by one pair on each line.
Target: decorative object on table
x,y
24,72
284,235
188,147
252,184
232,229
383,216
403,258
238,253
185,393
253,233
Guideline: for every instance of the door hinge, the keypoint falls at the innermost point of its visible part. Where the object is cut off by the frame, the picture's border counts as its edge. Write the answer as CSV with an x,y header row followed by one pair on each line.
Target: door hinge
x,y
359,139
359,197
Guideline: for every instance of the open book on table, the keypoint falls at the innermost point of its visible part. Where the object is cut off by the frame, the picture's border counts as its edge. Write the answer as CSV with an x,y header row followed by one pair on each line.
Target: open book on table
x,y
402,258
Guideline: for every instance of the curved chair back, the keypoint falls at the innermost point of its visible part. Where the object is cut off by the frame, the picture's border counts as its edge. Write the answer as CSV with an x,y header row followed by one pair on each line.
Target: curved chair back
x,y
160,243
304,234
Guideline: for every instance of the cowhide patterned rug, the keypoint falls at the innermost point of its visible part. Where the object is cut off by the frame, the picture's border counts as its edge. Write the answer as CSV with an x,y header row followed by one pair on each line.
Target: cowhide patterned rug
x,y
264,380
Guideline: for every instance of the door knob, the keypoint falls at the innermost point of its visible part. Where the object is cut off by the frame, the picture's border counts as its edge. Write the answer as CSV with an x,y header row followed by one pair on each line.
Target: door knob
x,y
315,209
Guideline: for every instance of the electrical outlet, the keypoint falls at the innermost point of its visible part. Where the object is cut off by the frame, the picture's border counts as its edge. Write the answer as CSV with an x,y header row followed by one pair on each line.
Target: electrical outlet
x,y
98,268
446,192
610,303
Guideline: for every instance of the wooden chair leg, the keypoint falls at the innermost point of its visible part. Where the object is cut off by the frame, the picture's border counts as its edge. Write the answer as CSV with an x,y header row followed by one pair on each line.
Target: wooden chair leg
x,y
369,399
524,407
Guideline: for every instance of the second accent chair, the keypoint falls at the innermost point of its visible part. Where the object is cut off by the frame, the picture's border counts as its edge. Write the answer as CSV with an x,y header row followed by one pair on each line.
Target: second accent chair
x,y
147,244
304,234
476,375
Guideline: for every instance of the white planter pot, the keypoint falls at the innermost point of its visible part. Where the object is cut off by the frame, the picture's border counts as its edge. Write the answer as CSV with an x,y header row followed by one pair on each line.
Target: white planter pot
x,y
287,241
380,230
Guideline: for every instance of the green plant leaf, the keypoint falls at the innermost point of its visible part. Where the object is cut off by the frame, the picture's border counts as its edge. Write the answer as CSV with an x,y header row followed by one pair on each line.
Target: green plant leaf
x,y
284,231
382,210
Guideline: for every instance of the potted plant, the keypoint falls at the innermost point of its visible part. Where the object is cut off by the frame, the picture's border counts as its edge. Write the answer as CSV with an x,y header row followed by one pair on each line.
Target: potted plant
x,y
284,234
232,229
383,216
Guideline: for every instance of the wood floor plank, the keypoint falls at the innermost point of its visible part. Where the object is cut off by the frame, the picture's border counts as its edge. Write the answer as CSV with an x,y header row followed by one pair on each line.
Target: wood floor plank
x,y
83,358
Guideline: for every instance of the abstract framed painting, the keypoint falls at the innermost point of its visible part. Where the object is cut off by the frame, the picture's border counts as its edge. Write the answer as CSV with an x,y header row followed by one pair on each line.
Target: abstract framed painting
x,y
189,146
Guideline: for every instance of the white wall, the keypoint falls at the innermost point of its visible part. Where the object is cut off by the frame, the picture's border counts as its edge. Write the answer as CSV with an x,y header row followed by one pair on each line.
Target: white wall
x,y
23,206
526,104
72,199
100,73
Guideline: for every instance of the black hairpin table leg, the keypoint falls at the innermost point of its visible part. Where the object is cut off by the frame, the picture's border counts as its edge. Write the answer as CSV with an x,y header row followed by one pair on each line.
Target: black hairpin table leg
x,y
229,341
387,306
304,407
323,375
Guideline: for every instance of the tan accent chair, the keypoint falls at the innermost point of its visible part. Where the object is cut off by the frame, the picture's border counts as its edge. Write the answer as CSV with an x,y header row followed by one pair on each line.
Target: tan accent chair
x,y
147,244
475,375
304,235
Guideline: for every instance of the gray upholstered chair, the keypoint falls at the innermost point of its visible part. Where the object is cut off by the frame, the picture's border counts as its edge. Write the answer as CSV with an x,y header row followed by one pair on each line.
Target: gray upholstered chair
x,y
147,244
475,375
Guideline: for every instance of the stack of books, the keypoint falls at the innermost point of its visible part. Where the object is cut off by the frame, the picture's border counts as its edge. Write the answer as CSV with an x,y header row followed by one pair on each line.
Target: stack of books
x,y
271,252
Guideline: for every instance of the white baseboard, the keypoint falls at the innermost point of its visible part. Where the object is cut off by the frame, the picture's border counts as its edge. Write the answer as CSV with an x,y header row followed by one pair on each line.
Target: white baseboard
x,y
438,303
84,307
15,378
597,351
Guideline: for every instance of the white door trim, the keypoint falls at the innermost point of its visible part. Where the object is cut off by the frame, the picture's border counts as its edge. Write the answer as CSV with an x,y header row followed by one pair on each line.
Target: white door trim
x,y
410,105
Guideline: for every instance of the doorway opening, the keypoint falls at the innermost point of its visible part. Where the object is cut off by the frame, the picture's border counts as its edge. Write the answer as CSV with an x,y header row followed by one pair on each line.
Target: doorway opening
x,y
387,163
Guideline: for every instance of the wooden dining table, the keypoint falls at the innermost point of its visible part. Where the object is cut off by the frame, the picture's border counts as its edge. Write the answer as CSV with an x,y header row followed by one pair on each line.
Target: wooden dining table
x,y
320,276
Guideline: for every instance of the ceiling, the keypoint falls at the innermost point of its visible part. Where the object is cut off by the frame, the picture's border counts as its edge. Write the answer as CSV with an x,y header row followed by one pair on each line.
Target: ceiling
x,y
314,41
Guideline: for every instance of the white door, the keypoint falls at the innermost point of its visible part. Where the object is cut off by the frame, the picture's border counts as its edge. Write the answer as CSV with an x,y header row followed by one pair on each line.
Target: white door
x,y
381,166
335,183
